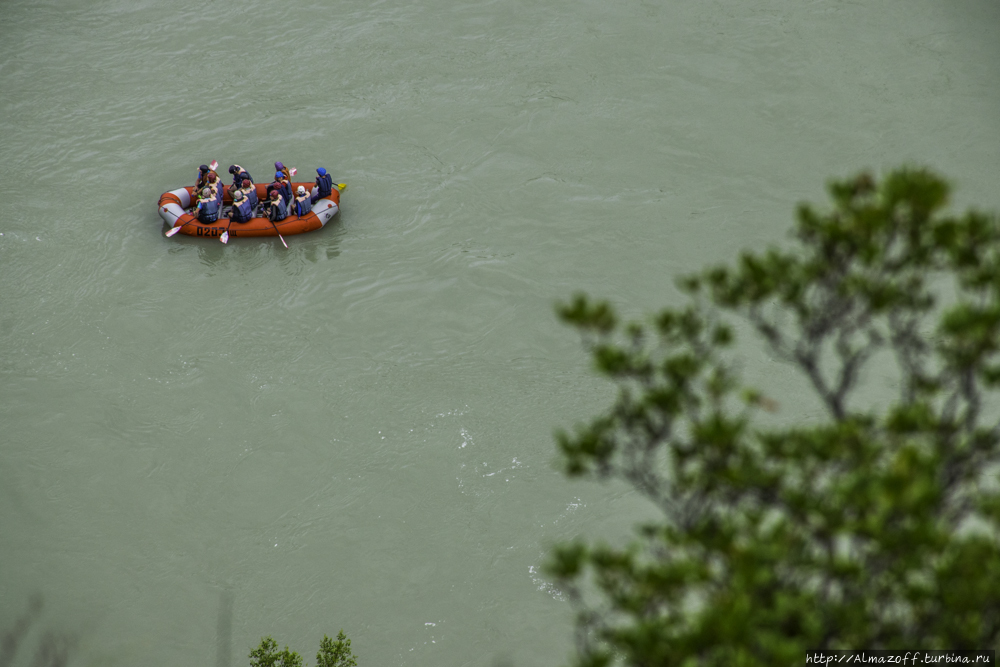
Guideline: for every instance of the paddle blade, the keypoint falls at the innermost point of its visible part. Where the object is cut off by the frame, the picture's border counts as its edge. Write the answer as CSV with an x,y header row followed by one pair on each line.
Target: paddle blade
x,y
282,240
293,171
225,237
341,186
172,231
214,165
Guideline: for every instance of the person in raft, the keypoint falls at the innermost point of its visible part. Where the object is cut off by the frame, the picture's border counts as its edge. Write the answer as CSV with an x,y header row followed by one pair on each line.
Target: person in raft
x,y
242,210
239,175
282,185
273,186
277,211
303,202
213,185
249,191
203,172
208,206
324,183
284,170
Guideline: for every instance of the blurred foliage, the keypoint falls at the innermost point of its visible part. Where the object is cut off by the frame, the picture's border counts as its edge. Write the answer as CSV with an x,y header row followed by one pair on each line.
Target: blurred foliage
x,y
872,526
268,655
331,654
52,649
336,653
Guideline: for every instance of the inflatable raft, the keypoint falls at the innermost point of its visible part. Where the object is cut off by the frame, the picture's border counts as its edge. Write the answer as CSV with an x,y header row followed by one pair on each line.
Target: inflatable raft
x,y
173,207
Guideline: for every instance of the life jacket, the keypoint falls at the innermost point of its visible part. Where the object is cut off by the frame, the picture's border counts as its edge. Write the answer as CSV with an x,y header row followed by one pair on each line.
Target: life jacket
x,y
278,210
303,205
279,186
238,178
203,180
216,190
251,195
208,210
243,211
325,185
286,191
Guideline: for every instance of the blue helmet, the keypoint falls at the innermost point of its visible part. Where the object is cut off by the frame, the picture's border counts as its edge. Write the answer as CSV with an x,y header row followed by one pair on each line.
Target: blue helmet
x,y
278,175
321,171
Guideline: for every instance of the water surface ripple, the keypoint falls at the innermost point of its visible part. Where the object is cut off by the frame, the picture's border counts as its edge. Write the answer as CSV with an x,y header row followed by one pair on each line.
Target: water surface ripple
x,y
202,440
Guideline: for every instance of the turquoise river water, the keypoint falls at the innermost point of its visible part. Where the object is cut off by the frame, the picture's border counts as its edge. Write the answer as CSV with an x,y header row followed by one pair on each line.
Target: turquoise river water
x,y
203,443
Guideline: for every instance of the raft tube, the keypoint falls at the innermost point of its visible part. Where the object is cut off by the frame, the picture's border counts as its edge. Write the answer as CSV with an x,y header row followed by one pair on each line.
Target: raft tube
x,y
173,207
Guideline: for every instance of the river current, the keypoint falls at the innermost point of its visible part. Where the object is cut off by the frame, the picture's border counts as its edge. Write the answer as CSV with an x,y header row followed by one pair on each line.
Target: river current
x,y
201,444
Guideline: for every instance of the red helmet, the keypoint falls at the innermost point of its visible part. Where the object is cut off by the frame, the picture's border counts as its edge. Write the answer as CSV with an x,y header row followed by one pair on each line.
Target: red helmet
x,y
211,177
246,182
274,194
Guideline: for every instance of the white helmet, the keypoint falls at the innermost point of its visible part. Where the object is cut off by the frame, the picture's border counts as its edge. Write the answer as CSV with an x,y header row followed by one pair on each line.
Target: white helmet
x,y
301,190
237,195
207,192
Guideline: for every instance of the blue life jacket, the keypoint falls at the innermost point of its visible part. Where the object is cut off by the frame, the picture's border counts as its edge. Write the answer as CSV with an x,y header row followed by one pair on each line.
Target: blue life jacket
x,y
281,190
243,211
303,206
286,191
325,185
278,210
251,195
208,210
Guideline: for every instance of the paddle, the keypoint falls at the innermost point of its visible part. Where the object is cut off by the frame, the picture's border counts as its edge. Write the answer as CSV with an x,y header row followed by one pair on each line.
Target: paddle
x,y
225,235
279,233
340,186
174,230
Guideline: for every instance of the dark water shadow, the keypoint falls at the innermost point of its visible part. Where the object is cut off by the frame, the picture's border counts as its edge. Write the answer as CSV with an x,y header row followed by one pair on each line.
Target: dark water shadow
x,y
247,253
52,649
313,247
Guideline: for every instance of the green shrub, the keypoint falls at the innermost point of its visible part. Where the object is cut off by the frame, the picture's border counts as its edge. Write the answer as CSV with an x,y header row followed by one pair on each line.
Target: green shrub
x,y
331,654
872,525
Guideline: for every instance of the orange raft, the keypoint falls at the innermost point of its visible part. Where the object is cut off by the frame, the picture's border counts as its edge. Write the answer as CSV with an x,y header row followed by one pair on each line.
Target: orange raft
x,y
173,205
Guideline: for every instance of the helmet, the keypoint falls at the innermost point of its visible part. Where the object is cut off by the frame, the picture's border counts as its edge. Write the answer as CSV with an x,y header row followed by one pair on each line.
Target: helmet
x,y
237,195
321,171
211,177
279,175
203,168
301,190
246,183
206,192
274,194
279,166
233,169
